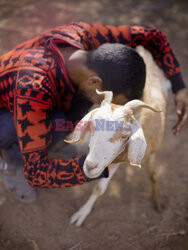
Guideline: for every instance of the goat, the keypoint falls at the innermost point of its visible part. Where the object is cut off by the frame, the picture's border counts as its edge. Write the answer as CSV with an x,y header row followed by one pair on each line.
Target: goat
x,y
125,144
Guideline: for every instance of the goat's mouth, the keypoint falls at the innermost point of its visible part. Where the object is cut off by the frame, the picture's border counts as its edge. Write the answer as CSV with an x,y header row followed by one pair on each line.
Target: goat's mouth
x,y
94,173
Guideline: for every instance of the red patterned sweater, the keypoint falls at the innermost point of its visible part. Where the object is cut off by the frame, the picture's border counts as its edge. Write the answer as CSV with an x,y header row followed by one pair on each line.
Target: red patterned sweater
x,y
34,82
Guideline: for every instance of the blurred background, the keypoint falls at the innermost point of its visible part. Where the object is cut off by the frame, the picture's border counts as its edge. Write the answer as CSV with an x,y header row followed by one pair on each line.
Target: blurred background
x,y
124,217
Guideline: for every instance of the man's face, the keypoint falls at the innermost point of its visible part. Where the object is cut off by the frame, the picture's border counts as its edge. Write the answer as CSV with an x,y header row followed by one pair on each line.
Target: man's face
x,y
120,99
88,89
90,94
89,86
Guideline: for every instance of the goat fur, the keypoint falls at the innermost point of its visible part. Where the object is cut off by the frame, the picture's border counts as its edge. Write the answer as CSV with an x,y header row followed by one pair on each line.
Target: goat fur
x,y
153,125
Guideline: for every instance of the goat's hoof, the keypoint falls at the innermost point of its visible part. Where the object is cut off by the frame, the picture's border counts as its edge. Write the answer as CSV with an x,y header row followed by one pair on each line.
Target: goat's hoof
x,y
158,204
78,218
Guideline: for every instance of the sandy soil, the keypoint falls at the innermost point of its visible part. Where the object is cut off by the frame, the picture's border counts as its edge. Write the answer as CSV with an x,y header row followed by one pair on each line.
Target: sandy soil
x,y
123,218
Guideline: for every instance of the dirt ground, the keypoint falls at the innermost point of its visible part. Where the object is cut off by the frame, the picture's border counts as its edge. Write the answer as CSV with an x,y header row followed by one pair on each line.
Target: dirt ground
x,y
123,218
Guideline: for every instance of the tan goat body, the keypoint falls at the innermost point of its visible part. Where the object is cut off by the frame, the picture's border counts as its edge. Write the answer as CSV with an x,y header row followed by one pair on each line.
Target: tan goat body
x,y
136,142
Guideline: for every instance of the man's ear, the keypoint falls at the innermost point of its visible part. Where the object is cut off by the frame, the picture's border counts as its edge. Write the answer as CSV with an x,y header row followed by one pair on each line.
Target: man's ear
x,y
95,81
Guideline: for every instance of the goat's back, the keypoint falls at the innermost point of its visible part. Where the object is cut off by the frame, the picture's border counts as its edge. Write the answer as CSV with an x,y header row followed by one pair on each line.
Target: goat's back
x,y
154,94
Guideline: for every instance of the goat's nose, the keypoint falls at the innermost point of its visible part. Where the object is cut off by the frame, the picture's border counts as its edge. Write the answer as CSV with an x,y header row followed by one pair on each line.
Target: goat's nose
x,y
90,165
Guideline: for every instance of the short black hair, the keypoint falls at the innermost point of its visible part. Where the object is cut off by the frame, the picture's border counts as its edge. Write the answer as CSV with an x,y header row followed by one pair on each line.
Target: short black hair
x,y
120,67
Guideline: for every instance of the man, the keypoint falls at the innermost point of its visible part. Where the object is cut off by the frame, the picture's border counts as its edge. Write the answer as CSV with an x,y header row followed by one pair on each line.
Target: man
x,y
49,72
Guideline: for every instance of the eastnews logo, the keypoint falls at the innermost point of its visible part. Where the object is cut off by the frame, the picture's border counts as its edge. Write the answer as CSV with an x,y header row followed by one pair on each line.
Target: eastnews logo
x,y
99,125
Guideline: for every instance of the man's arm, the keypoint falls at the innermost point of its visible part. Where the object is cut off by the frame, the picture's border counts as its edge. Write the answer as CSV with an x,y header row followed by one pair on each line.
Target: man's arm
x,y
32,117
157,43
153,40
150,38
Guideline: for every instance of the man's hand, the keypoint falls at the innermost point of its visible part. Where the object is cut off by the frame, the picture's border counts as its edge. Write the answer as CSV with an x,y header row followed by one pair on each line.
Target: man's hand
x,y
181,101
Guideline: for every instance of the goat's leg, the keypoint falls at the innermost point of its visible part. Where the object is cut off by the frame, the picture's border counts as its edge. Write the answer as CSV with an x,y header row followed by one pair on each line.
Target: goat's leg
x,y
156,198
79,217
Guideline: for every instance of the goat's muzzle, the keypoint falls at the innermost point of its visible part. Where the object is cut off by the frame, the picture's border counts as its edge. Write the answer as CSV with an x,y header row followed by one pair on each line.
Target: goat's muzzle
x,y
91,169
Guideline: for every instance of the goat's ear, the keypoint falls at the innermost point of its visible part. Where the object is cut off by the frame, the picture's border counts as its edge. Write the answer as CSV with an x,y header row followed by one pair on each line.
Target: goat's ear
x,y
136,145
80,128
108,95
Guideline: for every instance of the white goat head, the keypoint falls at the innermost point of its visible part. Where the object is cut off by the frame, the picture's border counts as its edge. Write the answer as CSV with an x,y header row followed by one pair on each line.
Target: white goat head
x,y
111,131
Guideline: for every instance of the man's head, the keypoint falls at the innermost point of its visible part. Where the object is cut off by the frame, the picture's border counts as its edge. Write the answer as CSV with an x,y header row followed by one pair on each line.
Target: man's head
x,y
114,67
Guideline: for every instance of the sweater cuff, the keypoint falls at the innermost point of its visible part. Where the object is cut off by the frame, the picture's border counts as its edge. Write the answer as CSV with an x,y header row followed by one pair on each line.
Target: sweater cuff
x,y
105,173
177,82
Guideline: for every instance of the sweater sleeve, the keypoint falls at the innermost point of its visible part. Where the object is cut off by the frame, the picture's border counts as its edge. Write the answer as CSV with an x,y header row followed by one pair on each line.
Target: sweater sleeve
x,y
151,38
32,115
156,42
